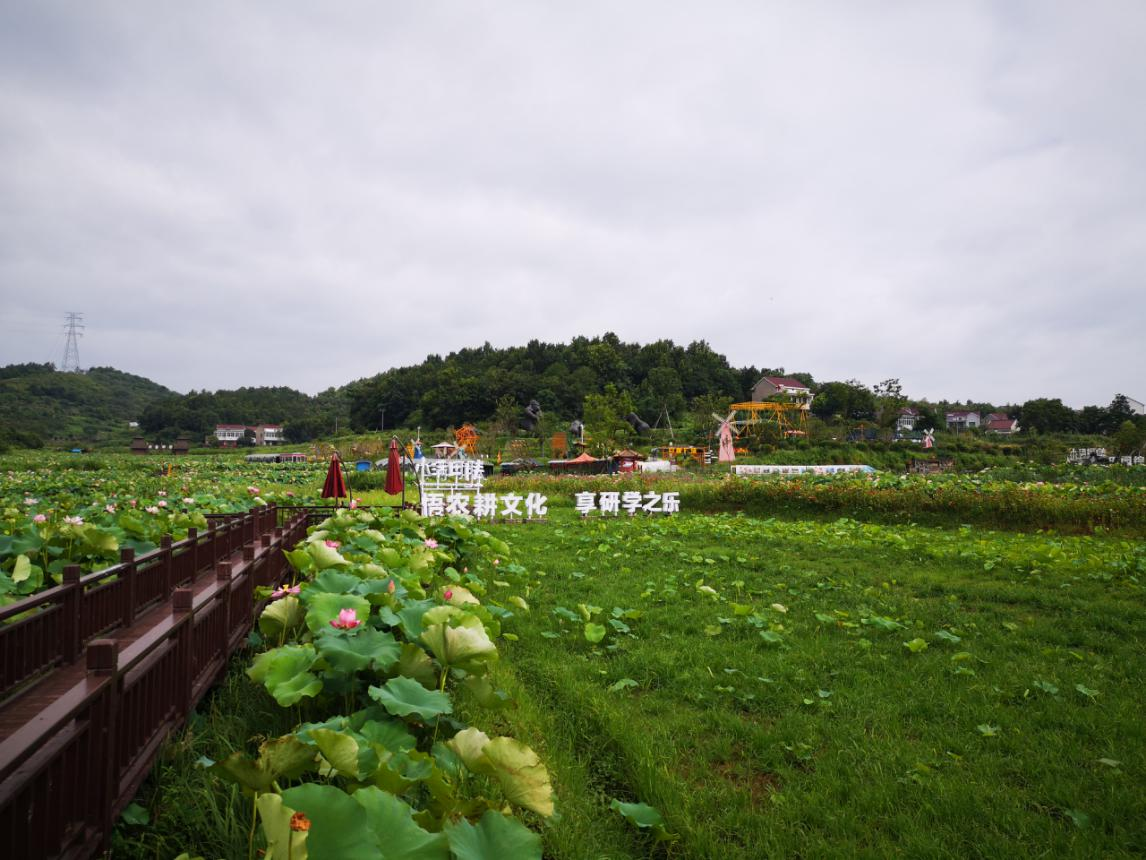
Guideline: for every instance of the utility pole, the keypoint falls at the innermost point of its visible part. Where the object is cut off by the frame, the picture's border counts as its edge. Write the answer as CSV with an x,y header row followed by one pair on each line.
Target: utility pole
x,y
73,325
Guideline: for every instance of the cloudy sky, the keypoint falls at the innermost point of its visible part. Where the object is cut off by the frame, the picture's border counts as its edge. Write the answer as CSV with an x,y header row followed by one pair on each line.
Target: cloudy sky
x,y
302,194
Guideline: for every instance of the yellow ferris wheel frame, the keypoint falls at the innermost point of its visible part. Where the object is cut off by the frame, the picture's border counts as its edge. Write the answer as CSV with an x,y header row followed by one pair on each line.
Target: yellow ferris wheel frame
x,y
466,438
790,419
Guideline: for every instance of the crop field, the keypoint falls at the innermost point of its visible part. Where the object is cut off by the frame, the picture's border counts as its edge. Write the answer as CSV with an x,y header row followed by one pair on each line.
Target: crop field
x,y
802,689
824,677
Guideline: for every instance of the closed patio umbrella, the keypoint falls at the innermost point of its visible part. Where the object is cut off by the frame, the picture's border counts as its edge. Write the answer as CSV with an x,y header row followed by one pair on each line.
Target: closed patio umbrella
x,y
394,482
335,486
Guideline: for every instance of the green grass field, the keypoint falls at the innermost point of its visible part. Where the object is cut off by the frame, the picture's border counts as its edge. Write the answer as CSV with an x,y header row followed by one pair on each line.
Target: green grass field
x,y
797,689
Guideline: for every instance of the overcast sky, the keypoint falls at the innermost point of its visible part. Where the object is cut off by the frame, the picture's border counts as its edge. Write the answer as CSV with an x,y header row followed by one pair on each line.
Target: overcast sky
x,y
303,194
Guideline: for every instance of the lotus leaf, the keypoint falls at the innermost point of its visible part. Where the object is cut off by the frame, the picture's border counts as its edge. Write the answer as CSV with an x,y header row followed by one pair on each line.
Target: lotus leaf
x,y
389,734
416,663
335,581
337,826
399,836
339,749
411,615
495,837
463,647
353,653
283,614
323,607
282,841
469,745
522,776
462,596
644,816
299,560
325,556
23,568
405,697
284,672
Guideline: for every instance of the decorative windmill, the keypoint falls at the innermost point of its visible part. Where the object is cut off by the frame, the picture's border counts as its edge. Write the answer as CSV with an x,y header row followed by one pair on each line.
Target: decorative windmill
x,y
726,432
929,438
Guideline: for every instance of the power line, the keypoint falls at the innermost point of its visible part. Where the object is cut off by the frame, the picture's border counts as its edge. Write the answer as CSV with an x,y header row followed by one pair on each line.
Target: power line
x,y
74,326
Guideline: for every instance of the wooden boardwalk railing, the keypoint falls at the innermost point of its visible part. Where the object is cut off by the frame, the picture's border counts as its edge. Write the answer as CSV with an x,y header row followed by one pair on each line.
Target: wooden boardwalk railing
x,y
95,673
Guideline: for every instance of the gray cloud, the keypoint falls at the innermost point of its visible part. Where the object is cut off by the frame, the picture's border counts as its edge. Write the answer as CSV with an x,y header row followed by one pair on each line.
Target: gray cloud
x,y
237,195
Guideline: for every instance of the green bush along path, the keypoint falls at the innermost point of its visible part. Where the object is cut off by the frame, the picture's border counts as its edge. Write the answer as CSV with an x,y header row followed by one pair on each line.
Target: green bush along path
x,y
785,688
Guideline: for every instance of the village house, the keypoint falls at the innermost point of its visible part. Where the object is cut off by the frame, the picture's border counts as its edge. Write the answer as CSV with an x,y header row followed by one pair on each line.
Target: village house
x,y
229,435
770,386
1001,423
962,419
908,415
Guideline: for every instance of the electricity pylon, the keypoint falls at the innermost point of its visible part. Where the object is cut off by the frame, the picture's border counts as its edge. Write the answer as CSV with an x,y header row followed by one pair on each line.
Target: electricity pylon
x,y
74,326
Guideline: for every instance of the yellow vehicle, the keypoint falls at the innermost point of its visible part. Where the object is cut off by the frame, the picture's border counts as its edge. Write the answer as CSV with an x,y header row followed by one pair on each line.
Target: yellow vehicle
x,y
681,452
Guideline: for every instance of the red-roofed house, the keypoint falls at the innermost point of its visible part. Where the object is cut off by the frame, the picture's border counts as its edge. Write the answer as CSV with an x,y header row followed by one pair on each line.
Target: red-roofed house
x,y
770,386
1004,425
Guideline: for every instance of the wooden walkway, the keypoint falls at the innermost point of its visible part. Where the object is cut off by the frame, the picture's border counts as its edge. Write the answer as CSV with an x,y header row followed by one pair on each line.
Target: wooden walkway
x,y
85,715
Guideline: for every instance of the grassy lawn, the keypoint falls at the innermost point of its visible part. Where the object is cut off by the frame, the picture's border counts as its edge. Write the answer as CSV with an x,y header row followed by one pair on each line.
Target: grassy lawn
x,y
786,688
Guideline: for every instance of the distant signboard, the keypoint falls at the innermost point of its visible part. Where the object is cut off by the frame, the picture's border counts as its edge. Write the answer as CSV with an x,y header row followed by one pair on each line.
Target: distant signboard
x,y
796,470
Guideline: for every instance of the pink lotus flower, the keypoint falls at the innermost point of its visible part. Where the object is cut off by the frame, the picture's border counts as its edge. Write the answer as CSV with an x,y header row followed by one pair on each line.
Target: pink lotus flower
x,y
39,518
448,595
347,620
28,500
290,494
152,510
353,504
74,521
161,493
391,587
254,491
285,590
109,508
133,503
333,544
496,562
431,543
188,500
163,504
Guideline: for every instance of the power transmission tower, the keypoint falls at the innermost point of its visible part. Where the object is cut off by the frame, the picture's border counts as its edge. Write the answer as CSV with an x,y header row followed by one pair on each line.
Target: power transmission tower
x,y
74,326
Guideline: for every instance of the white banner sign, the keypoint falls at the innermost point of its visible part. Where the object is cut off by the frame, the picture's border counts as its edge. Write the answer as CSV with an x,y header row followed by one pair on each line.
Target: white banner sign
x,y
630,502
797,470
485,506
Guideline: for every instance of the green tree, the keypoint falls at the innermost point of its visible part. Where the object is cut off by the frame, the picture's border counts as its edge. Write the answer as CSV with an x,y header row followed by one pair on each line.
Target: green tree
x,y
1046,415
889,400
846,401
604,415
1128,439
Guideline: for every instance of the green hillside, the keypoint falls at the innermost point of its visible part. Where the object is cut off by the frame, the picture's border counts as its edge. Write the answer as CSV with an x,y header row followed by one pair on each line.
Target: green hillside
x,y
38,402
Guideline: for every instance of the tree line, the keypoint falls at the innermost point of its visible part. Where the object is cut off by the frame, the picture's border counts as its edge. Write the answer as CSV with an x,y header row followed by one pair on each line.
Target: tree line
x,y
600,380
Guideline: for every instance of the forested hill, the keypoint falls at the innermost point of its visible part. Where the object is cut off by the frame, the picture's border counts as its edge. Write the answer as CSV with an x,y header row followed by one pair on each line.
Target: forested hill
x,y
40,403
467,385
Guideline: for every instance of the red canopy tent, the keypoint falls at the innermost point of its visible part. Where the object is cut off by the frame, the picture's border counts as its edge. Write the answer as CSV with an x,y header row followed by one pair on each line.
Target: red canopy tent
x,y
335,486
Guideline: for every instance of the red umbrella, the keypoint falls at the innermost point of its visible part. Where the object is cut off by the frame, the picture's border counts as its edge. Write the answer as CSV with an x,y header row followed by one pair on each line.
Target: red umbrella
x,y
394,484
335,486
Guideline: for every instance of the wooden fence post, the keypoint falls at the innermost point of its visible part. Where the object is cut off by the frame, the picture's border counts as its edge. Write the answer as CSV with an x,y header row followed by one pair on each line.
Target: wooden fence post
x,y
168,566
181,602
223,575
127,560
193,537
72,609
103,660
